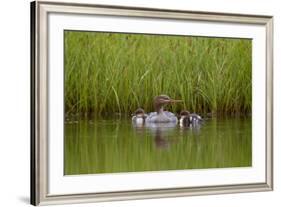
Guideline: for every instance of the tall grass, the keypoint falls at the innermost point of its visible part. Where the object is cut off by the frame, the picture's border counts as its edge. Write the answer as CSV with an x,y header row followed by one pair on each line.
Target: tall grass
x,y
116,73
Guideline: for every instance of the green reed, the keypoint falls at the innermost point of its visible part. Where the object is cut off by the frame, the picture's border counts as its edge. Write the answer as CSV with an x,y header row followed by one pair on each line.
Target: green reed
x,y
117,73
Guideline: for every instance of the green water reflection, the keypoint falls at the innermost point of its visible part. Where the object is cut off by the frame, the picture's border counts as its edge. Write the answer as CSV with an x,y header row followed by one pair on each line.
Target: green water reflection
x,y
115,145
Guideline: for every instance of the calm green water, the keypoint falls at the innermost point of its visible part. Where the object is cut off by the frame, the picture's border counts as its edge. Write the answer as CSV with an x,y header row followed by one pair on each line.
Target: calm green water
x,y
112,145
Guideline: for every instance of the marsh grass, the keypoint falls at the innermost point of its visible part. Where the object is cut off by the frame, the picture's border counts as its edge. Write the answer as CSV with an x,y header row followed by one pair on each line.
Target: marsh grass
x,y
117,73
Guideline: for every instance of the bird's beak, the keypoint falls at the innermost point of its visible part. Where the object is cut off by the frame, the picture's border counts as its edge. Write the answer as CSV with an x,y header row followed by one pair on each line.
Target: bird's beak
x,y
175,101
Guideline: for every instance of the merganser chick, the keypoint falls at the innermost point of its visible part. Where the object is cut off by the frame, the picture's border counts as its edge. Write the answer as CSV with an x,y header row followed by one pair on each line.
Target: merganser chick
x,y
139,116
161,116
189,119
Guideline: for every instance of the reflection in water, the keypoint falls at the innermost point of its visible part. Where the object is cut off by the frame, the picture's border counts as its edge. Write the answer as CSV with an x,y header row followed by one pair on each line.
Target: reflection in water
x,y
110,145
160,132
195,128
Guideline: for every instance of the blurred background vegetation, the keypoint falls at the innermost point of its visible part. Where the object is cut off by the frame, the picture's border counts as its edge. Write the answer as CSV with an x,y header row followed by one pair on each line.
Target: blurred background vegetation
x,y
114,73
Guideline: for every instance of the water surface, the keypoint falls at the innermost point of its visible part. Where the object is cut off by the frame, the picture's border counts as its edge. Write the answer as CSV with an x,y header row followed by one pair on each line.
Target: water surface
x,y
115,145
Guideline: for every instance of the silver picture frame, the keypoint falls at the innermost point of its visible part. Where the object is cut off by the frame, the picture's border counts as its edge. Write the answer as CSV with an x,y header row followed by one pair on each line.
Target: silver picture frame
x,y
39,100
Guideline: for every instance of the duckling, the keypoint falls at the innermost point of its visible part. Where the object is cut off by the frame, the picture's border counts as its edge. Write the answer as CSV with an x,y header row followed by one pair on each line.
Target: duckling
x,y
189,119
139,116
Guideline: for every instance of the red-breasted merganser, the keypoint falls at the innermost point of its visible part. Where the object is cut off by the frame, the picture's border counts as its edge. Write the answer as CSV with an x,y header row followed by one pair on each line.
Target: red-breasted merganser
x,y
189,119
139,116
161,116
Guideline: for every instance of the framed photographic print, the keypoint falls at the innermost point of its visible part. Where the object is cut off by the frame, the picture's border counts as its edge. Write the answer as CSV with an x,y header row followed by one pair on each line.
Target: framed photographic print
x,y
134,103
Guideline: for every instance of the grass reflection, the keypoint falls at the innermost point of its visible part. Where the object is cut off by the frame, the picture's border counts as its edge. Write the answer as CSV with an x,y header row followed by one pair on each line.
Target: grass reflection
x,y
109,146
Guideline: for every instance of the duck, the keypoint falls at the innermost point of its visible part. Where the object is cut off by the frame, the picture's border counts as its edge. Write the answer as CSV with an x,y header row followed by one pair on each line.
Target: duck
x,y
139,116
188,119
161,116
